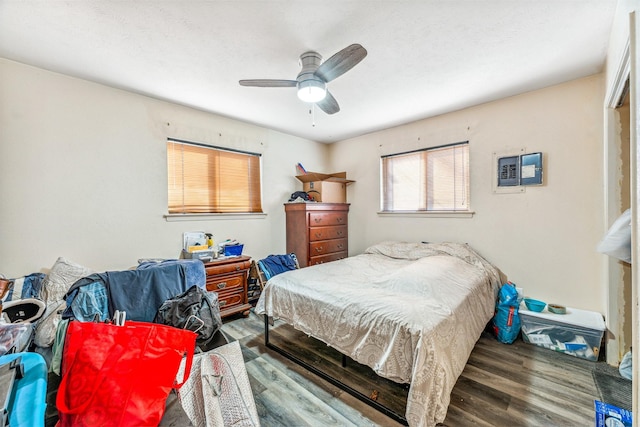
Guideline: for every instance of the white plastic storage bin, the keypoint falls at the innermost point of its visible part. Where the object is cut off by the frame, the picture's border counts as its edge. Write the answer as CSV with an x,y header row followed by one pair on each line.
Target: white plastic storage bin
x,y
578,332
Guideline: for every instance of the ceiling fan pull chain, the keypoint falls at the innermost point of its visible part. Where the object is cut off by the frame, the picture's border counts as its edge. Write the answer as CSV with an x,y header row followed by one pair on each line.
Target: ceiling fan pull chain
x,y
312,111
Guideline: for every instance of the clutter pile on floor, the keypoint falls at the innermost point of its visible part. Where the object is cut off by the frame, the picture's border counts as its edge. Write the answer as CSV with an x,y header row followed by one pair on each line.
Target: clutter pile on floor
x,y
116,347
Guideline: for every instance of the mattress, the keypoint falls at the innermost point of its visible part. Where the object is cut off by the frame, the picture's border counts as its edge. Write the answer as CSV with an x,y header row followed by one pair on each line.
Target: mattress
x,y
410,311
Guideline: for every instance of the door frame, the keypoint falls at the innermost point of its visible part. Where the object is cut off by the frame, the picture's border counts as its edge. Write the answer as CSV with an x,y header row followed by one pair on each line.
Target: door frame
x,y
634,92
628,69
613,270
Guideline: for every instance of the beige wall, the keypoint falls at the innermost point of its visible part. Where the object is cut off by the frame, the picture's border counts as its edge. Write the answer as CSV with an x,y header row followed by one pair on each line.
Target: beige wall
x,y
543,239
84,174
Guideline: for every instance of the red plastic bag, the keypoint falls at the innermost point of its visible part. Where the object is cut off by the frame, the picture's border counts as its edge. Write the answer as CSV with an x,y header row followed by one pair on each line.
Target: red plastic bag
x,y
120,375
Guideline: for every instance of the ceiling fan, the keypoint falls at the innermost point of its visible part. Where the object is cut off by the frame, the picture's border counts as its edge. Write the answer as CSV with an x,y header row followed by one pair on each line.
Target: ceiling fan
x,y
315,74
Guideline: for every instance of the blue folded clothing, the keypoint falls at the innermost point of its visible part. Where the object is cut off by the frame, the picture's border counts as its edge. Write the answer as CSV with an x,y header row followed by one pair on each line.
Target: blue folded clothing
x,y
276,264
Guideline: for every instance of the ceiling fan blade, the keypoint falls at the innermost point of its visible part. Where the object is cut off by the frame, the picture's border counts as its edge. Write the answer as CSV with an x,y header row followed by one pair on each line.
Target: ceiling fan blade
x,y
341,62
269,83
329,104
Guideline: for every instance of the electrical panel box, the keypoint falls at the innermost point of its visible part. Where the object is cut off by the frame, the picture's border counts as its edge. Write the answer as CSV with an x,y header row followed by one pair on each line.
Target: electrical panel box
x,y
508,171
524,169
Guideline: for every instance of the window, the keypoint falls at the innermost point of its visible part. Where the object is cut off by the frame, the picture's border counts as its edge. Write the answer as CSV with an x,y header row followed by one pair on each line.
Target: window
x,y
205,179
434,179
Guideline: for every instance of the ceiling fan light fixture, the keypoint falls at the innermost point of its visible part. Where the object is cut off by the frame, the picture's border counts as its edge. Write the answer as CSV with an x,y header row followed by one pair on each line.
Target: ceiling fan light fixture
x,y
312,90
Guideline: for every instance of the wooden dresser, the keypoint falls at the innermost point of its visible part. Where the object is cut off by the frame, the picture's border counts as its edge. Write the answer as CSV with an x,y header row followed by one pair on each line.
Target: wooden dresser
x,y
317,232
228,277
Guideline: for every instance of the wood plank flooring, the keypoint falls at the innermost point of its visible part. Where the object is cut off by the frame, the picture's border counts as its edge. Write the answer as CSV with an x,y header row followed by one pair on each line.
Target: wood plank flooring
x,y
502,385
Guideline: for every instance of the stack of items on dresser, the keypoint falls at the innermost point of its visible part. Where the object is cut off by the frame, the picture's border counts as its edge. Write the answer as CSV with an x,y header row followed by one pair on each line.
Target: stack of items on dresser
x,y
202,246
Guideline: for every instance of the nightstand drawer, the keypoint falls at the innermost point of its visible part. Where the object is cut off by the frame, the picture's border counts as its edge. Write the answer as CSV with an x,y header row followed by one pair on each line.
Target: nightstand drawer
x,y
225,283
327,258
317,219
230,300
228,278
228,267
327,246
327,233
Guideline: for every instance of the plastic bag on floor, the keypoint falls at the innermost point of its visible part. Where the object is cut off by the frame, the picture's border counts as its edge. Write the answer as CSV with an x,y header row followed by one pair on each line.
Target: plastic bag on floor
x,y
617,242
506,322
218,392
626,366
15,337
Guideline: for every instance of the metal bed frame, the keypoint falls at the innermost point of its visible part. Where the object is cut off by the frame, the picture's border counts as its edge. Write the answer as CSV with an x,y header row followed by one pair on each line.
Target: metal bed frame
x,y
336,382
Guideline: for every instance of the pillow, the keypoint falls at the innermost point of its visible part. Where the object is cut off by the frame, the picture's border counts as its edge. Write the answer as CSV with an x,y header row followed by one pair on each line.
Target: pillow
x,y
48,324
63,274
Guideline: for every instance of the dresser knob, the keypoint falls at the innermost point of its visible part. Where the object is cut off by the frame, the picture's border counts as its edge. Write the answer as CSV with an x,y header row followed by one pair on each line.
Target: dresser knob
x,y
319,249
222,303
222,285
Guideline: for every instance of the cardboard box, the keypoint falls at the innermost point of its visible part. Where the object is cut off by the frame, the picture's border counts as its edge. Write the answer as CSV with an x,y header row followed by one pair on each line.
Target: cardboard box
x,y
611,416
326,188
577,333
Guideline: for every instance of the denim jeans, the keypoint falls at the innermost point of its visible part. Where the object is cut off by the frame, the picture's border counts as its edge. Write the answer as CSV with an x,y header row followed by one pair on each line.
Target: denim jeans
x,y
91,300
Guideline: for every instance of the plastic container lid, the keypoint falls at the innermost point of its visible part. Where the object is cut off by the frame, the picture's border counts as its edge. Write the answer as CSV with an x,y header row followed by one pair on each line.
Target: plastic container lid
x,y
574,316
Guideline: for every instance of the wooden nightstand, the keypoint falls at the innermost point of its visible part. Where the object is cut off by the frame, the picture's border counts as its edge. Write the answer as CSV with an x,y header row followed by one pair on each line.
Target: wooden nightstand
x,y
228,277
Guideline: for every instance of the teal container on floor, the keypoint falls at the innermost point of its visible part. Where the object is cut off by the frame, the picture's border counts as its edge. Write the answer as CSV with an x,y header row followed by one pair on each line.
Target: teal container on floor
x,y
27,402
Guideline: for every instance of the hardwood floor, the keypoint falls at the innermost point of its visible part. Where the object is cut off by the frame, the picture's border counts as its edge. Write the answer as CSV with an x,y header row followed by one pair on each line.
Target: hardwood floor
x,y
502,385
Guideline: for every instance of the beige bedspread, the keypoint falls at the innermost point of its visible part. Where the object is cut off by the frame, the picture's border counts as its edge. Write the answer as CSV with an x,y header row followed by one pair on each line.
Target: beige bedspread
x,y
410,311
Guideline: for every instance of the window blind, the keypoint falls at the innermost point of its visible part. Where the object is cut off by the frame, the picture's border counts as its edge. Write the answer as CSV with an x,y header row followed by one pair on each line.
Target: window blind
x,y
204,179
435,179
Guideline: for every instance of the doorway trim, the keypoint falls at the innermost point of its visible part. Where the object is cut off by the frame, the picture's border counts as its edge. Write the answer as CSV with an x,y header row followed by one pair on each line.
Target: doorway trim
x,y
613,271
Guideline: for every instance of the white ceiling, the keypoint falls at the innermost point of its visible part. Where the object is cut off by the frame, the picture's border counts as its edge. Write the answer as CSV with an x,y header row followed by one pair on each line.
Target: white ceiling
x,y
425,57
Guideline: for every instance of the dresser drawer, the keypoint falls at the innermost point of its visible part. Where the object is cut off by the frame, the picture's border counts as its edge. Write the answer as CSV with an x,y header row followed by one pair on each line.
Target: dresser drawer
x,y
318,219
327,233
228,300
327,258
325,247
225,283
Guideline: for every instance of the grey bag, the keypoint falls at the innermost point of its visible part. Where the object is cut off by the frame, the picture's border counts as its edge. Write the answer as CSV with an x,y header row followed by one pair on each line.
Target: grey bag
x,y
196,310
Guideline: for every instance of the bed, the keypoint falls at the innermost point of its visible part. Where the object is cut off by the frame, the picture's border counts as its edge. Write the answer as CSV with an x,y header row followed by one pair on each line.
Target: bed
x,y
412,312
